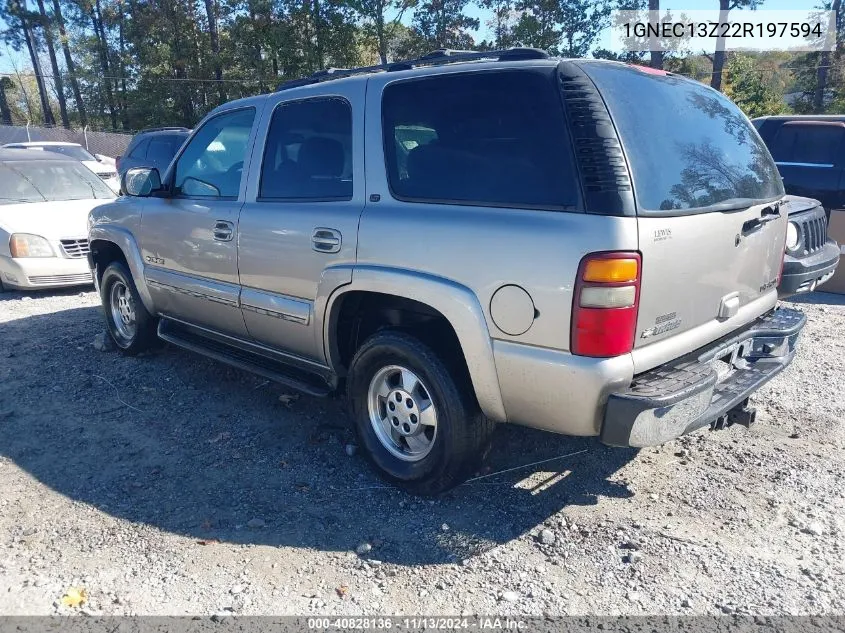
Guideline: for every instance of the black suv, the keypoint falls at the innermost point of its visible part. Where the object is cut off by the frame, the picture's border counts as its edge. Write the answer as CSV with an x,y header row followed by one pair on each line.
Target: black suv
x,y
154,147
810,154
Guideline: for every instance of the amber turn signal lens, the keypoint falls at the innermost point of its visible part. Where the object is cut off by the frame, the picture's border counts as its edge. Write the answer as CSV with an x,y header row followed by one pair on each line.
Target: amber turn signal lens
x,y
26,245
611,270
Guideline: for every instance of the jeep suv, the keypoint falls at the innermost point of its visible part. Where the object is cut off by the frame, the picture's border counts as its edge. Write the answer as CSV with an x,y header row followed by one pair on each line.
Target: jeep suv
x,y
463,240
154,147
810,154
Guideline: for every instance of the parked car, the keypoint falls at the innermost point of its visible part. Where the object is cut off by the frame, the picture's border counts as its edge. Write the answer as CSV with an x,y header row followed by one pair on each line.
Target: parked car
x,y
811,256
106,160
426,237
810,154
155,147
99,165
44,203
809,150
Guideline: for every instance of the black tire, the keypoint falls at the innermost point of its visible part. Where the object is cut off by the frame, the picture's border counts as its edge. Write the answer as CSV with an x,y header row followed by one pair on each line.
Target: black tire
x,y
463,434
144,336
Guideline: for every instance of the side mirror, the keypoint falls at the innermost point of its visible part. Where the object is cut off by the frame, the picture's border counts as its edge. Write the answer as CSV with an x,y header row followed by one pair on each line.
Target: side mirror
x,y
199,188
140,181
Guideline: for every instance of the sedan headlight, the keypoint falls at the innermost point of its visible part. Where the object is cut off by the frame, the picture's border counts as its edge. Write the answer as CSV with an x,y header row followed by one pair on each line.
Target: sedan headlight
x,y
793,236
26,245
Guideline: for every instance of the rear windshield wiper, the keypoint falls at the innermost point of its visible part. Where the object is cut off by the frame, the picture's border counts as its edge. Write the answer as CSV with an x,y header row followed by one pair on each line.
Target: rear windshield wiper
x,y
736,204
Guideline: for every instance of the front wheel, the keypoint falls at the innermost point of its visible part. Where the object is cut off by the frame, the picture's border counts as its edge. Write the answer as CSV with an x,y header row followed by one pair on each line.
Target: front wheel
x,y
130,326
416,417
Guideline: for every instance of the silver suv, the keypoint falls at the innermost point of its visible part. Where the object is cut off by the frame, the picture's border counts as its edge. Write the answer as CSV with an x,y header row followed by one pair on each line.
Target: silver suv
x,y
465,239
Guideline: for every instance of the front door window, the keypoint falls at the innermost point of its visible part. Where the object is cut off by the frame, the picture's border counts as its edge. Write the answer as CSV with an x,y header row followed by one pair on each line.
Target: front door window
x,y
212,163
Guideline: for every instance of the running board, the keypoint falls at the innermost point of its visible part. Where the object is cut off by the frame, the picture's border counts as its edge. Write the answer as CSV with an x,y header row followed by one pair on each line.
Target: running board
x,y
190,339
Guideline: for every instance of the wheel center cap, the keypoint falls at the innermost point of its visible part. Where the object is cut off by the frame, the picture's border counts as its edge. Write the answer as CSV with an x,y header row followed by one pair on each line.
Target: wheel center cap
x,y
403,413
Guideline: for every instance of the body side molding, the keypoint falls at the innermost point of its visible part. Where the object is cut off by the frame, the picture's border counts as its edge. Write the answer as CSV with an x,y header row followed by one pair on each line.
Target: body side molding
x,y
210,289
276,305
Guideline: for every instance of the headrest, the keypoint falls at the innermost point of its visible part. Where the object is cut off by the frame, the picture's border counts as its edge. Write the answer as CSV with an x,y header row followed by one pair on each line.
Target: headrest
x,y
321,156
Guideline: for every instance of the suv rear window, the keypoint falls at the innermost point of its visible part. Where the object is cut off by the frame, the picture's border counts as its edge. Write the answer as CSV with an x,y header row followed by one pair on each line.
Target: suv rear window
x,y
808,143
484,138
688,147
163,147
140,150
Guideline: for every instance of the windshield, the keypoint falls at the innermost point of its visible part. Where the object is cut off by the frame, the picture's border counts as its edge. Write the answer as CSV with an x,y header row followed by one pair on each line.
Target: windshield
x,y
71,151
46,180
688,147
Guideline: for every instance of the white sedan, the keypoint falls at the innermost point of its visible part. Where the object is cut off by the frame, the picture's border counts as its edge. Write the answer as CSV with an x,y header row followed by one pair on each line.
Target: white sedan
x,y
103,166
44,204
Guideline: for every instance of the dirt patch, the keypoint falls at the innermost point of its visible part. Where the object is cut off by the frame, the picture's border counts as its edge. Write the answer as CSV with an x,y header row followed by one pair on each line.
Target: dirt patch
x,y
170,484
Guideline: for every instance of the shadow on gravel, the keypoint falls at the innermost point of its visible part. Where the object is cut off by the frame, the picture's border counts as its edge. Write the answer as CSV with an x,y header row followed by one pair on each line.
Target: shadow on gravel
x,y
195,448
15,295
819,298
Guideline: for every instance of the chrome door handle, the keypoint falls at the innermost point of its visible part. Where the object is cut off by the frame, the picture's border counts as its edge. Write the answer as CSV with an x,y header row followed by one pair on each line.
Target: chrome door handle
x,y
325,240
224,231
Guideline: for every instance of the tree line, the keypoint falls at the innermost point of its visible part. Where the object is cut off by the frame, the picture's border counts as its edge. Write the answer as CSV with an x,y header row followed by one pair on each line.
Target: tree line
x,y
130,64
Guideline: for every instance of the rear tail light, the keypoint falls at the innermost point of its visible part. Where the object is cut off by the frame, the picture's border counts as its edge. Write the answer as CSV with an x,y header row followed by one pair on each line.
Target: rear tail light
x,y
605,304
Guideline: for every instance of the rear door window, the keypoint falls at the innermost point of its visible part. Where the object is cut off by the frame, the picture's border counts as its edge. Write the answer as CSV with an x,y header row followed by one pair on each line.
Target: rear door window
x,y
484,138
808,144
689,148
308,155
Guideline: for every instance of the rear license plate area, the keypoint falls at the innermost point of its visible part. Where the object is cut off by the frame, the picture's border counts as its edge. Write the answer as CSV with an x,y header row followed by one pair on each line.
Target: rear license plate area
x,y
731,359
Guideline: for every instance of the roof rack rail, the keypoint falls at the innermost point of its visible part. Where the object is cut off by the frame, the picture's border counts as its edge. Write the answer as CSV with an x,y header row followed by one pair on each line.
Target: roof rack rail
x,y
166,128
447,52
434,58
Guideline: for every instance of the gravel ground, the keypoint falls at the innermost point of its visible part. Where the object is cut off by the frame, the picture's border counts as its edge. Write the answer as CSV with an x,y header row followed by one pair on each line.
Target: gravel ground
x,y
169,484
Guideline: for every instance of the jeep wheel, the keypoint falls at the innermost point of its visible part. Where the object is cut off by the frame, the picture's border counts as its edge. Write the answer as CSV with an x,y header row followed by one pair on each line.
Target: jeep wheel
x,y
418,422
130,326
